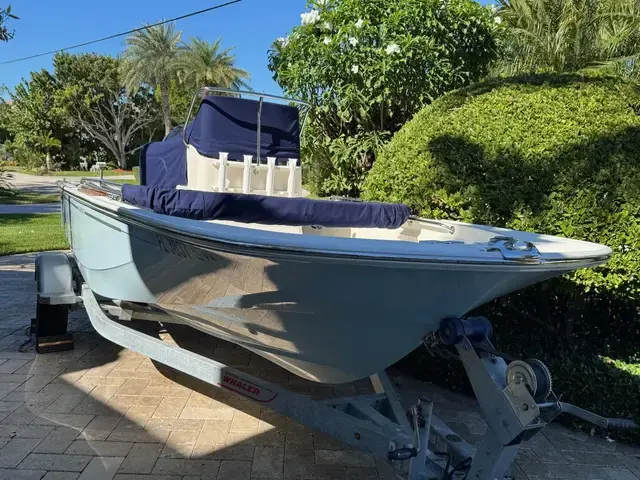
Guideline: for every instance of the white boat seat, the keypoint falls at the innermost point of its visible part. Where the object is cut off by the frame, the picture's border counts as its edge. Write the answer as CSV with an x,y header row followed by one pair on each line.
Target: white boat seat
x,y
222,175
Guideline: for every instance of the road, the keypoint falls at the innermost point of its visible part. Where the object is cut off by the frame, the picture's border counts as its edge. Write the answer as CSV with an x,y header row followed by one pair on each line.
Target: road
x,y
47,184
41,184
30,208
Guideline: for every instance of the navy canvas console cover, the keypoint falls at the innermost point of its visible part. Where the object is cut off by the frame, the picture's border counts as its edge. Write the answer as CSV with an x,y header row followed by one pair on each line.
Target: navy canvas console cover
x,y
223,124
238,207
164,163
230,124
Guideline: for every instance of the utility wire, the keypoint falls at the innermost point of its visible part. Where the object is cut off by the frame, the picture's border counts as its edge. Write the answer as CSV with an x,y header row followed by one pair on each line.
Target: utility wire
x,y
192,14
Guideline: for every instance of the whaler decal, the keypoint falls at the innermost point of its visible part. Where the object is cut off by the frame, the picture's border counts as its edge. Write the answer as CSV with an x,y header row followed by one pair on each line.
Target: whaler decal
x,y
181,249
247,389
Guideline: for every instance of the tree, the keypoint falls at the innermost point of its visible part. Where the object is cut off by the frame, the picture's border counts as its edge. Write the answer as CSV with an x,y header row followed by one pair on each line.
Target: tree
x,y
117,120
5,33
85,78
46,103
5,114
83,81
150,59
54,103
368,67
33,114
180,97
92,92
7,151
570,35
201,64
86,83
47,143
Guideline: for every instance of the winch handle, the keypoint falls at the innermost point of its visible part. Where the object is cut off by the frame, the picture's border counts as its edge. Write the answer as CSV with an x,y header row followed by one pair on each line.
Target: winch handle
x,y
613,423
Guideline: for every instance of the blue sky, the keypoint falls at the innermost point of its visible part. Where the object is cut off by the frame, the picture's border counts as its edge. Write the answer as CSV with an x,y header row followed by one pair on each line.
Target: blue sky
x,y
250,26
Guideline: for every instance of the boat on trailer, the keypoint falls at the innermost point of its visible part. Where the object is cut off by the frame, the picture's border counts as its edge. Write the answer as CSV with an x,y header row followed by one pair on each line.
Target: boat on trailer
x,y
219,237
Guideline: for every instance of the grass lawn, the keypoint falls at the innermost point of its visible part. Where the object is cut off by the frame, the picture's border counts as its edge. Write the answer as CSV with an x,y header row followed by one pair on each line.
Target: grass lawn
x,y
25,233
131,181
13,168
18,197
65,173
83,173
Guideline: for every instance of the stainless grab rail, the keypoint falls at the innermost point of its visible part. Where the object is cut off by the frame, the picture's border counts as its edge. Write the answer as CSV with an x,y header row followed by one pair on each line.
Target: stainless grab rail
x,y
106,185
203,91
450,229
113,189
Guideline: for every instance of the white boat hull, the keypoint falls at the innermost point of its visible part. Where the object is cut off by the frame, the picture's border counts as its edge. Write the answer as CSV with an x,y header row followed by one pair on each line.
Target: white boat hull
x,y
326,319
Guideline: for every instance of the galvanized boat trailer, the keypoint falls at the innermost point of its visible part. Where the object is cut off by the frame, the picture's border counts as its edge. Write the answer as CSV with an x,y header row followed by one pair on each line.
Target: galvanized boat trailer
x,y
516,399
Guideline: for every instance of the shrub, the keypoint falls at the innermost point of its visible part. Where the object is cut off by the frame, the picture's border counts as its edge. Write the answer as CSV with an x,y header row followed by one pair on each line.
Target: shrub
x,y
368,67
556,155
5,180
136,173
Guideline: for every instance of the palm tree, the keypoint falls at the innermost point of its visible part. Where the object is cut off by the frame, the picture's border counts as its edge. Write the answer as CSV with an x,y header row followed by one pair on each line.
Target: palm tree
x,y
569,35
47,142
201,63
150,58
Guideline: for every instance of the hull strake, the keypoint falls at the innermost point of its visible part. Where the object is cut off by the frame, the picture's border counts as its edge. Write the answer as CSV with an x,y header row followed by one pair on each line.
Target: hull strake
x,y
324,320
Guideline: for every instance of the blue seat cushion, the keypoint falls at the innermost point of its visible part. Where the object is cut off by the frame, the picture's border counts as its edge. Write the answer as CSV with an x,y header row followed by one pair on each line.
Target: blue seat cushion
x,y
238,207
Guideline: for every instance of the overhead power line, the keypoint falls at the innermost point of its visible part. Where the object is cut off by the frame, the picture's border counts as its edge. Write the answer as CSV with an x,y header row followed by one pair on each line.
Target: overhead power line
x,y
192,14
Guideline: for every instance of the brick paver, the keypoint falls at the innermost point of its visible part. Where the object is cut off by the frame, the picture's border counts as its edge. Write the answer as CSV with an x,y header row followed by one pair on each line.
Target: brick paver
x,y
103,412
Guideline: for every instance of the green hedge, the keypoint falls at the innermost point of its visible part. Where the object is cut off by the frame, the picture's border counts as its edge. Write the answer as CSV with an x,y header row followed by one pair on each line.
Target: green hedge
x,y
136,173
552,154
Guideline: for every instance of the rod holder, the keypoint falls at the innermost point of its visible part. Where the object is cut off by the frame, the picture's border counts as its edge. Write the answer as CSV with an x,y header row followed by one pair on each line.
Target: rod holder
x,y
271,167
222,172
246,174
291,183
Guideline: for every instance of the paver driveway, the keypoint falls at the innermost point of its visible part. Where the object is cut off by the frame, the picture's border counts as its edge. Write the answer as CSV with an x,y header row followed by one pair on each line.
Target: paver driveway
x,y
102,412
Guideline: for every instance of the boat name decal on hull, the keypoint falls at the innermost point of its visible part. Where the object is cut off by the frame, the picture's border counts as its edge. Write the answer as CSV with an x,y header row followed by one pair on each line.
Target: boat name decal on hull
x,y
247,389
181,249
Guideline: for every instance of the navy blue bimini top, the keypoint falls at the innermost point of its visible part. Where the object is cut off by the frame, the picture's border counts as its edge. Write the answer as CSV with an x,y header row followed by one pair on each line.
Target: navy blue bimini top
x,y
239,207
